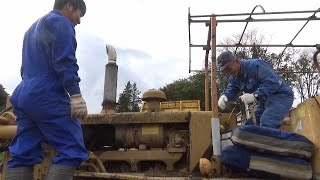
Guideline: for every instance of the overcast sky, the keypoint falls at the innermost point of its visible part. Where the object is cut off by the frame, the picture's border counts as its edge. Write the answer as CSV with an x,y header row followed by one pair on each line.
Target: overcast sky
x,y
150,37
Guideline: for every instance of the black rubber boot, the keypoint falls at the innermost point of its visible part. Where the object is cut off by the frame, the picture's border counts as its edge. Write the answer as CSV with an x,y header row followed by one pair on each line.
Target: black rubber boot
x,y
19,173
58,172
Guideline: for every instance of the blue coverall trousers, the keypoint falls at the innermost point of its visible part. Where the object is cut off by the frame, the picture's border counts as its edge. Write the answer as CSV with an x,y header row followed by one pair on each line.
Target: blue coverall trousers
x,y
43,115
272,111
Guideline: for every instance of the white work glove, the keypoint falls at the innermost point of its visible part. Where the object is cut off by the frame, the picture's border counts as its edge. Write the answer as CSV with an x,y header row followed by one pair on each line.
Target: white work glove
x,y
247,98
78,107
222,102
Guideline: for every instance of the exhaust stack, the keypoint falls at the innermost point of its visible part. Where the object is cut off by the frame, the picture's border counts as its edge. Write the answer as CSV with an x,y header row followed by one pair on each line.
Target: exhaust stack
x,y
110,82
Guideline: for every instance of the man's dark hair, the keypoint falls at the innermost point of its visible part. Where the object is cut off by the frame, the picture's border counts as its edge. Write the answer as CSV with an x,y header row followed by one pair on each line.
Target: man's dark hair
x,y
77,4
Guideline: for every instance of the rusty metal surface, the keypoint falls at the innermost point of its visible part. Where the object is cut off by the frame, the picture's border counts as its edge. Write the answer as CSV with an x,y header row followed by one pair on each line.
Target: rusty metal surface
x,y
7,132
206,72
133,157
200,133
40,170
136,176
200,137
142,176
305,121
5,159
134,135
318,99
214,89
138,117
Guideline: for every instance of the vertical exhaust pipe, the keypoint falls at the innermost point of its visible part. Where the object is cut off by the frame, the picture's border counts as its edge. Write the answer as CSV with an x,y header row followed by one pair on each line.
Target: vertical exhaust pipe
x,y
110,82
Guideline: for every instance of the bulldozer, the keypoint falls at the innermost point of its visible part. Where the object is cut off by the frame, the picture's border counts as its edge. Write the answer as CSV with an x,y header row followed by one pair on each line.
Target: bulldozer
x,y
166,139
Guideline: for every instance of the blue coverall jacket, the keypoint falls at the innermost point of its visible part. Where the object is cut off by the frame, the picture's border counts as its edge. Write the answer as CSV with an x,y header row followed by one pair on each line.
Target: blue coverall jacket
x,y
273,95
42,99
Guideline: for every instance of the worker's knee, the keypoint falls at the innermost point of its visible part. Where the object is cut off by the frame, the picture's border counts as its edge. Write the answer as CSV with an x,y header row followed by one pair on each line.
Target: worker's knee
x,y
271,123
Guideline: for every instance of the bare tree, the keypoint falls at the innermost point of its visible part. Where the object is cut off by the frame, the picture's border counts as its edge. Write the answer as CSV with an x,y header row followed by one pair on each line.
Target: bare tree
x,y
307,80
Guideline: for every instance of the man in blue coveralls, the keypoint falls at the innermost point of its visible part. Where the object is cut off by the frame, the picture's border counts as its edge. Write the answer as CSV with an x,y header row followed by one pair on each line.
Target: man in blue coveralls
x,y
48,101
260,84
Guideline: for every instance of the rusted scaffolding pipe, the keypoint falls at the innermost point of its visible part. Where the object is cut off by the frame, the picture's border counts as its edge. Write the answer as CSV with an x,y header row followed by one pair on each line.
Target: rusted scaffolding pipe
x,y
315,59
263,13
214,93
206,73
189,24
215,124
193,19
311,17
253,45
257,20
245,27
278,71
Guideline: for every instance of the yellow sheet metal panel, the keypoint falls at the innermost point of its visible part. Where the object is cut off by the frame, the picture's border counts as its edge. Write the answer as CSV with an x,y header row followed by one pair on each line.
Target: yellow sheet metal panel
x,y
150,130
200,133
200,136
305,120
318,99
185,105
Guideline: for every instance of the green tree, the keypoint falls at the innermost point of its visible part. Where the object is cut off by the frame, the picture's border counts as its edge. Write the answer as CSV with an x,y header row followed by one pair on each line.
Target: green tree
x,y
135,98
3,97
191,88
129,99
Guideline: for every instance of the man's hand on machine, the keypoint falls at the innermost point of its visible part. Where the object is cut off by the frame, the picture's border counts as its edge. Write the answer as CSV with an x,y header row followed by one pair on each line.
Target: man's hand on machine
x,y
222,102
247,98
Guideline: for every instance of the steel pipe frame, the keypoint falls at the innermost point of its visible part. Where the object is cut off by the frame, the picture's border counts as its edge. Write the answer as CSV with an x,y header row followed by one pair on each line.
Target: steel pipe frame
x,y
246,14
212,34
245,27
313,17
315,60
212,37
257,20
205,47
199,71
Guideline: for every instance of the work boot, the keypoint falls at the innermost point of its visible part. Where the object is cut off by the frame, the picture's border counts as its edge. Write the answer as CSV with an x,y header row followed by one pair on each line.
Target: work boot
x,y
21,173
58,172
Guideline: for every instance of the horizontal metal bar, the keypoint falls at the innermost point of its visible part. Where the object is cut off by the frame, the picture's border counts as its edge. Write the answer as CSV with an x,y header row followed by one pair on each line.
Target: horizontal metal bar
x,y
133,176
257,20
254,45
271,19
280,71
135,117
246,14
